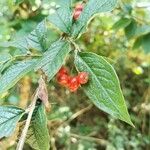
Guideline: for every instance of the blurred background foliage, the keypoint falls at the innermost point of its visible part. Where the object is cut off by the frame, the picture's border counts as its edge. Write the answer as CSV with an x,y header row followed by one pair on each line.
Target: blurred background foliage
x,y
74,123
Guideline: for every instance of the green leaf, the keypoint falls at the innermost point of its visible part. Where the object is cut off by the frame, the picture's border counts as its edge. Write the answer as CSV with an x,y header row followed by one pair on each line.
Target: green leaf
x,y
133,30
142,30
121,23
9,117
14,73
38,135
4,58
17,2
35,40
146,43
62,17
130,30
103,87
53,58
138,42
91,8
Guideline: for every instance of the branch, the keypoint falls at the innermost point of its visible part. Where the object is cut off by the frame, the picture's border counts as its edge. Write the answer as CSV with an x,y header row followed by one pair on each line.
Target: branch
x,y
25,130
75,115
92,139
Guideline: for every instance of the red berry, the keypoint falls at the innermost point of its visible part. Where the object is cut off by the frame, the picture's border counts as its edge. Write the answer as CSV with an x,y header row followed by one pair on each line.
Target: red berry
x,y
83,77
73,84
79,7
76,15
63,79
63,70
77,11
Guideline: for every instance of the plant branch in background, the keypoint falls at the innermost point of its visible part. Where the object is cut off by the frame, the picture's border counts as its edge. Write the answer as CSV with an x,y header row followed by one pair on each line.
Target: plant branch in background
x,y
27,124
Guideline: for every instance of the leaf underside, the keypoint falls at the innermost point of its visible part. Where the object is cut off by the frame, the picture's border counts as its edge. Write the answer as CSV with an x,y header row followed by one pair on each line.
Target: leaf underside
x,y
38,135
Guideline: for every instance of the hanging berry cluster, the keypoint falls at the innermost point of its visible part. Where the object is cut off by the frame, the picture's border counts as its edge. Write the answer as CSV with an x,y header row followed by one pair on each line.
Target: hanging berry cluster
x,y
77,11
71,82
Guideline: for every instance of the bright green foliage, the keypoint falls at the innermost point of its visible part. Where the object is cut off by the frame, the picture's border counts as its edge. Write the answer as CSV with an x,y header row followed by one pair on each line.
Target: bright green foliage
x,y
62,17
53,58
142,30
135,30
146,43
103,87
4,58
121,23
38,135
138,42
13,74
91,8
35,40
130,30
143,41
18,1
9,116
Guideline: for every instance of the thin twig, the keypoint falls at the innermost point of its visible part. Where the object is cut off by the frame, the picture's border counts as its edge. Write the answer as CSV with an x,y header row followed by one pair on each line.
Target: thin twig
x,y
75,115
92,139
25,130
80,112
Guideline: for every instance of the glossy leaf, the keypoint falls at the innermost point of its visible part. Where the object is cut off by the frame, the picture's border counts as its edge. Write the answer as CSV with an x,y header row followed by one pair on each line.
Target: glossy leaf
x,y
38,135
90,9
14,73
103,87
53,58
62,17
9,117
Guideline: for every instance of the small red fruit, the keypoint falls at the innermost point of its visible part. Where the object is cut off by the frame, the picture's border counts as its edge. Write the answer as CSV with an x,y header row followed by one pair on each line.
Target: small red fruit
x,y
63,79
79,7
83,77
73,84
77,11
63,70
76,15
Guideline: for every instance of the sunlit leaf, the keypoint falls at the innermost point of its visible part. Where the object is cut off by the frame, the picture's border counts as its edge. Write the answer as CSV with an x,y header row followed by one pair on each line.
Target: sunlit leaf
x,y
103,87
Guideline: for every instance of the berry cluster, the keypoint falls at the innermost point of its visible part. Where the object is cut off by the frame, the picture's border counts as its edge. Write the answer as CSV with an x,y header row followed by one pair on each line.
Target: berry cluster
x,y
77,11
71,82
